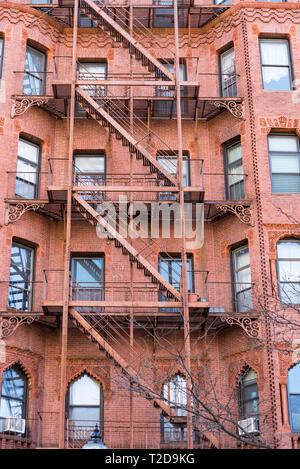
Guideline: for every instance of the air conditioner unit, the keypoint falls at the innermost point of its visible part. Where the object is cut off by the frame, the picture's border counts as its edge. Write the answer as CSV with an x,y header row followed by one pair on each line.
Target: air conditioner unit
x,y
248,426
14,425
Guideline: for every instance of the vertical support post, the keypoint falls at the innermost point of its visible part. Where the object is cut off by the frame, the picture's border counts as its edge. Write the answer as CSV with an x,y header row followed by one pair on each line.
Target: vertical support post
x,y
284,404
184,284
130,215
64,327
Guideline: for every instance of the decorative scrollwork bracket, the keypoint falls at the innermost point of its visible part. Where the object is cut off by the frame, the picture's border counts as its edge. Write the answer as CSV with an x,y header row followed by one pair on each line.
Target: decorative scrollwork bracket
x,y
20,105
8,325
243,212
236,109
14,212
250,325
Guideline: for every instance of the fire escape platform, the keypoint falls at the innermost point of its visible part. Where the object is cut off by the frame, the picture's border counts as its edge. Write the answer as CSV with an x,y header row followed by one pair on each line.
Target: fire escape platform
x,y
106,308
190,13
58,194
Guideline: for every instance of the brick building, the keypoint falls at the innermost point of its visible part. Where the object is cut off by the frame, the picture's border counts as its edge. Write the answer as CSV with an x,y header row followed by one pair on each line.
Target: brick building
x,y
125,98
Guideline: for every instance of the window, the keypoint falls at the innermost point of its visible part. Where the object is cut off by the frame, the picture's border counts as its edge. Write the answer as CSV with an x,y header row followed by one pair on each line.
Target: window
x,y
85,22
284,154
84,408
242,298
164,17
89,169
248,395
169,163
92,71
227,71
1,54
88,278
276,64
174,393
222,2
234,175
288,271
21,277
14,393
170,269
27,176
169,108
35,72
293,388
40,2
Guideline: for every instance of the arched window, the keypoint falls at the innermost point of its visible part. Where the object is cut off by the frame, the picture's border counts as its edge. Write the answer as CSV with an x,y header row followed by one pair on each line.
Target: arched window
x,y
174,393
248,395
288,271
85,404
14,393
293,387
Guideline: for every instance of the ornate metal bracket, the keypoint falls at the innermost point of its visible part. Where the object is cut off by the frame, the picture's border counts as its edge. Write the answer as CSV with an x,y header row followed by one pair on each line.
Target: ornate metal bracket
x,y
236,109
20,105
9,325
250,325
243,212
14,212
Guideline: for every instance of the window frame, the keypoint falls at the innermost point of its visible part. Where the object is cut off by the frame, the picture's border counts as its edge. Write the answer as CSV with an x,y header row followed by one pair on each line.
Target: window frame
x,y
2,41
241,394
226,147
271,153
76,256
101,401
232,85
289,55
37,166
295,240
177,257
235,293
289,394
32,271
25,399
44,80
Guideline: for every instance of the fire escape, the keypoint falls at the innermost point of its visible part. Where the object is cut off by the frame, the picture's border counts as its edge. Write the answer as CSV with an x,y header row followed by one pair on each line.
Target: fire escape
x,y
128,120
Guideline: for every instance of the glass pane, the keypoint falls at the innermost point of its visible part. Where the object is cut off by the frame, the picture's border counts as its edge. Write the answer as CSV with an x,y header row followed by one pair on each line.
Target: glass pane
x,y
28,151
289,271
294,402
276,78
285,164
84,391
11,408
84,416
286,183
234,153
13,384
274,52
294,380
20,277
90,70
242,258
283,143
228,62
244,300
250,391
35,62
288,250
290,293
250,375
90,164
1,52
251,408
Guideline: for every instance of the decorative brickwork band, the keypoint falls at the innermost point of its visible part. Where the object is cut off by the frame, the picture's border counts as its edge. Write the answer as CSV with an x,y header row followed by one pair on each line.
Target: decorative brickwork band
x,y
20,105
250,325
236,109
15,212
9,325
243,212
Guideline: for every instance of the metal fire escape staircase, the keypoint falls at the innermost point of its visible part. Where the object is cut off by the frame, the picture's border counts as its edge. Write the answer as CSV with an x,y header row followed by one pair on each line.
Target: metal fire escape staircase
x,y
112,113
103,16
